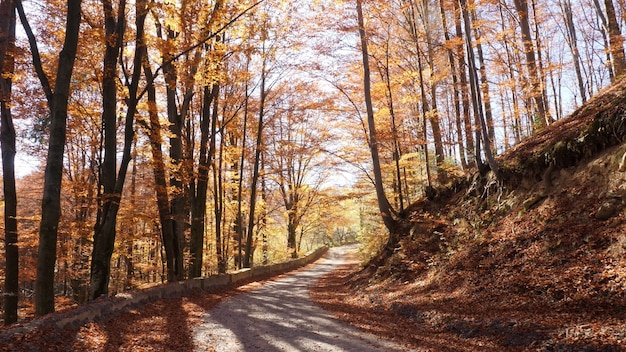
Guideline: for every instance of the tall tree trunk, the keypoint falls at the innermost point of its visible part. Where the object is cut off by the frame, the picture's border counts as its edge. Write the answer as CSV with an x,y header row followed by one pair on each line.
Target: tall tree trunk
x,y
176,121
199,184
255,171
240,228
104,236
57,102
397,153
426,110
484,86
536,91
177,196
606,40
103,242
474,85
7,145
465,101
263,216
221,241
198,206
455,87
572,41
433,115
517,121
615,39
160,175
383,203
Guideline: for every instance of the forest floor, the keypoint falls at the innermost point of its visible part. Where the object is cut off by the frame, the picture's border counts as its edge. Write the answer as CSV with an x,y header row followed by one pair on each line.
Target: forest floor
x,y
535,261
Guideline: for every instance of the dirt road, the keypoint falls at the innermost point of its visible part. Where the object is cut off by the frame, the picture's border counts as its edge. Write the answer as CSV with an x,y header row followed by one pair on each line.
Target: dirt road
x,y
279,316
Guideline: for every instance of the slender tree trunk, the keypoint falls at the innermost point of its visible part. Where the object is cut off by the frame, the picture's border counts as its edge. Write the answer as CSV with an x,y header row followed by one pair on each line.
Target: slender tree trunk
x,y
465,101
426,110
536,91
176,175
160,176
239,219
7,145
130,230
607,45
397,153
484,86
615,39
255,171
221,241
383,203
433,115
572,41
455,87
511,63
543,77
263,216
198,206
474,85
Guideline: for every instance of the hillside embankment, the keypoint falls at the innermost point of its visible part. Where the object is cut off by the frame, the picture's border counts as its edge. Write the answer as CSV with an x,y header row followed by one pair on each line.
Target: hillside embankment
x,y
532,261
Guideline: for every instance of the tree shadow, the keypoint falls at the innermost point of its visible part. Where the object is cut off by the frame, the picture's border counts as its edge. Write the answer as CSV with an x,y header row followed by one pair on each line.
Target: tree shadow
x,y
280,316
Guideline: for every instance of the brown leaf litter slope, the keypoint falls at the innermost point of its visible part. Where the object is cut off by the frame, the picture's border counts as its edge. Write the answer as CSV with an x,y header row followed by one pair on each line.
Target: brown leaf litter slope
x,y
534,263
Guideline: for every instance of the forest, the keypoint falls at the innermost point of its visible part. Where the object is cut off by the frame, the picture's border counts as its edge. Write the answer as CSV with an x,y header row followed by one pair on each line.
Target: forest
x,y
153,141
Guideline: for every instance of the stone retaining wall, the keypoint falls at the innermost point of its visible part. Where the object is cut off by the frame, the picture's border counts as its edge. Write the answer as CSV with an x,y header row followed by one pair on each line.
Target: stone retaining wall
x,y
111,306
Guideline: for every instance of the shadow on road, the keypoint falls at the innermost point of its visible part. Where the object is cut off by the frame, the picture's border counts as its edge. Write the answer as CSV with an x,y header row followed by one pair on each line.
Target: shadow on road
x,y
281,317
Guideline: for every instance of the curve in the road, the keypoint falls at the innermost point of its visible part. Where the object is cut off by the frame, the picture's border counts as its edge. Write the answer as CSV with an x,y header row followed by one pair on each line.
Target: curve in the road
x,y
280,316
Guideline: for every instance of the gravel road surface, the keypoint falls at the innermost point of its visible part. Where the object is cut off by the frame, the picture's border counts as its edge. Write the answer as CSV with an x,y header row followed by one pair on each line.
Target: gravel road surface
x,y
280,316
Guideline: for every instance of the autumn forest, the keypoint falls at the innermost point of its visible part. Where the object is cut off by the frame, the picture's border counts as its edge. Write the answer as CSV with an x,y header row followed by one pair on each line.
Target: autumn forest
x,y
153,141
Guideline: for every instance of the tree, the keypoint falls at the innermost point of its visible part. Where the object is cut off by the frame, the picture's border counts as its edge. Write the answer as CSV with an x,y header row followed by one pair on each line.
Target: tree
x,y
572,42
57,98
7,145
113,180
386,211
295,155
475,93
456,89
616,41
247,259
536,90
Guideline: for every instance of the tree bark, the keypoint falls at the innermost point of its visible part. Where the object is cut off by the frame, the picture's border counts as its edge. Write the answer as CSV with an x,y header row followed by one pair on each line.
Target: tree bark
x,y
383,203
470,146
536,91
456,92
426,109
572,41
104,242
484,87
476,98
177,196
615,39
160,175
104,236
7,142
255,171
51,200
198,206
